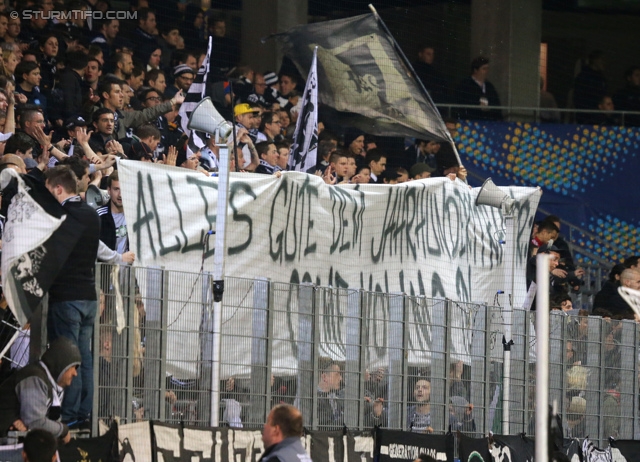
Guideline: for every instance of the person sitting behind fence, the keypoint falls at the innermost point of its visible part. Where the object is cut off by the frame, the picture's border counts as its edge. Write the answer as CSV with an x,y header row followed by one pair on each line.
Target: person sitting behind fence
x,y
419,414
31,397
574,423
330,399
461,415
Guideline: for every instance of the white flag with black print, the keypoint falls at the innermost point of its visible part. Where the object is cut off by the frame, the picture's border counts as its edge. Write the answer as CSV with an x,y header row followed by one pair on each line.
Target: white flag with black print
x,y
37,240
304,149
196,92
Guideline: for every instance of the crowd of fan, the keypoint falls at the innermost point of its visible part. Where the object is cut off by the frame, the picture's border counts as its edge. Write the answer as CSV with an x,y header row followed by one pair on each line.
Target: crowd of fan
x,y
84,94
123,82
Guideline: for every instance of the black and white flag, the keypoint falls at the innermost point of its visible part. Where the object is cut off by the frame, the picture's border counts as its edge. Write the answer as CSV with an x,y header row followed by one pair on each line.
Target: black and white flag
x,y
37,240
196,92
365,77
304,149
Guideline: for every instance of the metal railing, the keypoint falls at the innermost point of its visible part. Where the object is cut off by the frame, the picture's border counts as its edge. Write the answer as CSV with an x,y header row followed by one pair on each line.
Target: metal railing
x,y
539,114
348,357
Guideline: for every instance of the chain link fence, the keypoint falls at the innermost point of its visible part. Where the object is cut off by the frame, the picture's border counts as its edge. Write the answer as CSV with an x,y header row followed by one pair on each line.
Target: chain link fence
x,y
349,357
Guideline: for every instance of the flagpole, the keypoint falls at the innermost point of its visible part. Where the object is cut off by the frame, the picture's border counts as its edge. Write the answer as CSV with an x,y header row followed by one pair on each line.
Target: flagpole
x,y
407,63
218,280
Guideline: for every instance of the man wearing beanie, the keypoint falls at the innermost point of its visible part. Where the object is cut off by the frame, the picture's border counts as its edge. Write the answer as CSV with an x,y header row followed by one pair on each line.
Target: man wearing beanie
x,y
31,397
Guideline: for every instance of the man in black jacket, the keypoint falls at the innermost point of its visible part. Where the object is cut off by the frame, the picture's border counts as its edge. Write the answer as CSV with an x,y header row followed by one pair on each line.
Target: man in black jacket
x,y
72,296
476,90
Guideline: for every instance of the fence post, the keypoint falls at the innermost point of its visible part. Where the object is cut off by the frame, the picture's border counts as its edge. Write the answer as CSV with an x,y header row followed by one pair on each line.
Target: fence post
x,y
592,396
260,382
438,366
131,347
154,405
354,384
95,350
480,357
395,350
307,355
206,347
627,382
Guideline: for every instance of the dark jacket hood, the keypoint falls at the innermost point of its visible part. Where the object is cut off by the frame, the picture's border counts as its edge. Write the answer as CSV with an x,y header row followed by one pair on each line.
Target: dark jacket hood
x,y
61,355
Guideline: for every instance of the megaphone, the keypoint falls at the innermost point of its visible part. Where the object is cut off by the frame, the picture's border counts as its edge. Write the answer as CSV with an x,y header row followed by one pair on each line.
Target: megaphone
x,y
493,196
96,197
206,118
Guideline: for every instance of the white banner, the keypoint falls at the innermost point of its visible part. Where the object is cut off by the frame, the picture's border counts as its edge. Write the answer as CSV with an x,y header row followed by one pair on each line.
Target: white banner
x,y
423,238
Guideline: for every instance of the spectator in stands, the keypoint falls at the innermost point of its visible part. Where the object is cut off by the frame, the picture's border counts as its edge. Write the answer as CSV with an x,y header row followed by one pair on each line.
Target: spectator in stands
x,y
113,226
122,65
609,288
193,28
627,98
330,398
632,262
92,74
377,162
112,98
183,77
461,415
589,86
39,446
281,436
574,424
72,296
363,175
269,129
108,30
247,117
284,149
422,151
476,90
156,80
354,144
375,383
47,58
419,413
431,78
611,404
457,386
615,304
71,83
31,397
605,116
268,158
103,124
376,414
420,171
566,272
27,82
145,34
545,232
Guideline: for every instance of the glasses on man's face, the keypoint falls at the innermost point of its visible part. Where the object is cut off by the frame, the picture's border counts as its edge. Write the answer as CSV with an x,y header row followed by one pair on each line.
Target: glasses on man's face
x,y
153,98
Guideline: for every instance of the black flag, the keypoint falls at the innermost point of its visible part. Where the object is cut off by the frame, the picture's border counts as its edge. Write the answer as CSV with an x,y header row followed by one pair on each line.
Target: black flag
x,y
365,78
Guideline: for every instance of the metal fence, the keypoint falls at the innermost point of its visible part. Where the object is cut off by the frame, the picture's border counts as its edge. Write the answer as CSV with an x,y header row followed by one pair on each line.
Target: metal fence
x,y
349,357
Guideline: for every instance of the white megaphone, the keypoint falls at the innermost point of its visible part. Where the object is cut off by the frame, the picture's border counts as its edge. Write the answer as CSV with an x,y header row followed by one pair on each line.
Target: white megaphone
x,y
493,196
206,118
96,197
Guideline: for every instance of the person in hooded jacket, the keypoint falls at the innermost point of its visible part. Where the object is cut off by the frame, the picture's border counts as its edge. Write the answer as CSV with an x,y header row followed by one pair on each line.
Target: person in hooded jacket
x,y
32,396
